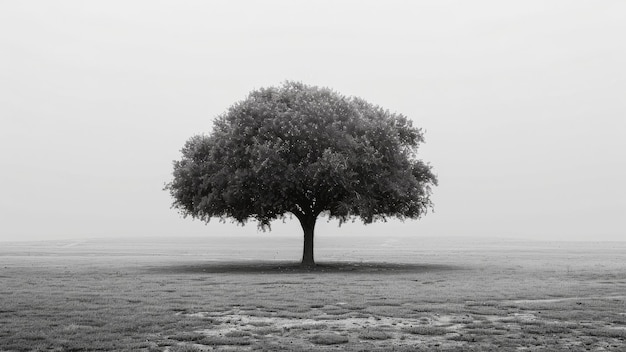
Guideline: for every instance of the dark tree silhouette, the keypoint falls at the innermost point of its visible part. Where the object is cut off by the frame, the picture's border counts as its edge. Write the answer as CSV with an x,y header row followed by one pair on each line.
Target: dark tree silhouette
x,y
303,150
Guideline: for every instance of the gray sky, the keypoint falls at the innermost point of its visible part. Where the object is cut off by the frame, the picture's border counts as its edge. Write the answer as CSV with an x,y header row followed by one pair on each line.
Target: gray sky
x,y
524,106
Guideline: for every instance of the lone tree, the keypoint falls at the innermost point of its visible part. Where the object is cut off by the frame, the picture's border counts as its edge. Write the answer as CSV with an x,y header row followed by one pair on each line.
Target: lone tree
x,y
303,150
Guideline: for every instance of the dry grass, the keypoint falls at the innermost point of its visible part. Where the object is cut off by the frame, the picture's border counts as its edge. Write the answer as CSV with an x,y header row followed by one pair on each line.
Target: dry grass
x,y
371,334
618,333
329,339
425,330
99,299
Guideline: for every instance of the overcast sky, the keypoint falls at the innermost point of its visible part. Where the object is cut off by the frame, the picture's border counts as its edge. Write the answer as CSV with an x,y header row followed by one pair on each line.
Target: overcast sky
x,y
523,103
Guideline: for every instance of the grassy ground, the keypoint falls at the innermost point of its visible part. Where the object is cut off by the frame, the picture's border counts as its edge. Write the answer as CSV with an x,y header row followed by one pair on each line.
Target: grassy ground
x,y
414,296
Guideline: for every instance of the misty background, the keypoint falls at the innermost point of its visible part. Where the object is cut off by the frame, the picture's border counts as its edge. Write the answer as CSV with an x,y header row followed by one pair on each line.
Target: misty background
x,y
523,104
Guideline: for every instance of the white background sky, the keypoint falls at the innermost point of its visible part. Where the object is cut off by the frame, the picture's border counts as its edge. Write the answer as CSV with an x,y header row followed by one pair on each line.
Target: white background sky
x,y
523,103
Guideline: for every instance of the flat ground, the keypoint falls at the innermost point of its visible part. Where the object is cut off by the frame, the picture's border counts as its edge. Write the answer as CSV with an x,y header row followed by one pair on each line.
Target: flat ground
x,y
369,294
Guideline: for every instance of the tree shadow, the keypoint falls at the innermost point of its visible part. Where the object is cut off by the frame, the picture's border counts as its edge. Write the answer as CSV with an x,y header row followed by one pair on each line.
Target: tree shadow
x,y
259,267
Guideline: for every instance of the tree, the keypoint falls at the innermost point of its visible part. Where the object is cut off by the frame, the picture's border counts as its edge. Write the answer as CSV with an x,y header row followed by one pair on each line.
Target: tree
x,y
303,150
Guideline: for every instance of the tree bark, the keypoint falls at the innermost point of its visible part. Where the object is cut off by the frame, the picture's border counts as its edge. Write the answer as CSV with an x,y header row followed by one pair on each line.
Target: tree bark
x,y
308,226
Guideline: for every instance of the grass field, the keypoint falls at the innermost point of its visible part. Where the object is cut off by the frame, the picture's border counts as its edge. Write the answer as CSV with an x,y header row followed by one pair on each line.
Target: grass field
x,y
226,294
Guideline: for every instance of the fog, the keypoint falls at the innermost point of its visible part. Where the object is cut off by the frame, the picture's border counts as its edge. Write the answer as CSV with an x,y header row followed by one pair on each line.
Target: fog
x,y
523,105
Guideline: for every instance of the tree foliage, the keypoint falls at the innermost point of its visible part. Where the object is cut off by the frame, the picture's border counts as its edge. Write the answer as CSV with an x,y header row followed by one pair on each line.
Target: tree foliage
x,y
303,150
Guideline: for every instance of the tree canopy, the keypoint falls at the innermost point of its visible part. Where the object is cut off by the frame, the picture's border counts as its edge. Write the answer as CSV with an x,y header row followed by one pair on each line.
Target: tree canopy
x,y
303,150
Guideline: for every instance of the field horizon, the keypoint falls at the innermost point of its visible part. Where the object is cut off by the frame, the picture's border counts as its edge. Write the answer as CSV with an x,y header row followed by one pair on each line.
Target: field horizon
x,y
249,293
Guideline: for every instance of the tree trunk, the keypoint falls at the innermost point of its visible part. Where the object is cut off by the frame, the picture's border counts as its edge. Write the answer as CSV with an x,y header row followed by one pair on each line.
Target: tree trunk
x,y
308,225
